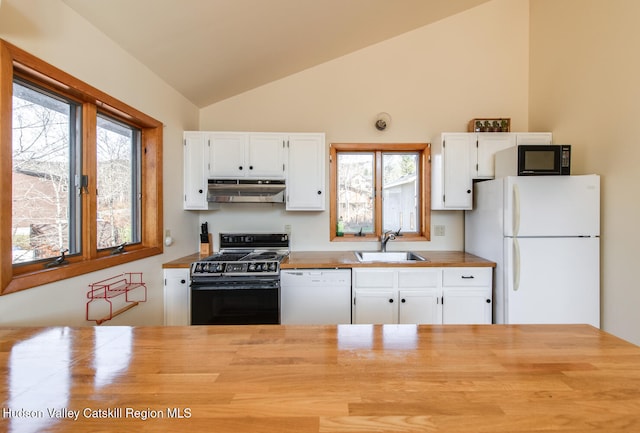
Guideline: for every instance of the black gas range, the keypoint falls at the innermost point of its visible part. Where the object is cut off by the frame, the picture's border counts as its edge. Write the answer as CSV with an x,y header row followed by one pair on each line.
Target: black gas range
x,y
241,283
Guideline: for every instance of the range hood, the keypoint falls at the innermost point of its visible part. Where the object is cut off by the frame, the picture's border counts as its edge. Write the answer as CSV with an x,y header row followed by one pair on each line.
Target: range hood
x,y
245,191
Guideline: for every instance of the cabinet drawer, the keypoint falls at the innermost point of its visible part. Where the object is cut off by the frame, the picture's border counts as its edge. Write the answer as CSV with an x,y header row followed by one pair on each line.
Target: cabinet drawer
x,y
418,278
373,278
467,277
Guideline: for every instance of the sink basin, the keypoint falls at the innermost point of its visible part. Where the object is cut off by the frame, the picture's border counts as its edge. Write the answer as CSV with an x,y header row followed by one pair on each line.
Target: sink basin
x,y
389,256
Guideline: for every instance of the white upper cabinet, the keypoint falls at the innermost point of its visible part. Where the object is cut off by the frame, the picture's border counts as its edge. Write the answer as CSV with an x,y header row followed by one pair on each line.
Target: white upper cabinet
x,y
196,155
487,144
299,159
452,161
533,138
457,158
306,172
227,152
246,155
266,156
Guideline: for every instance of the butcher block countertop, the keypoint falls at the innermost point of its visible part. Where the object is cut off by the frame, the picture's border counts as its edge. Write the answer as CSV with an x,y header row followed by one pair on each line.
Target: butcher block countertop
x,y
329,379
347,259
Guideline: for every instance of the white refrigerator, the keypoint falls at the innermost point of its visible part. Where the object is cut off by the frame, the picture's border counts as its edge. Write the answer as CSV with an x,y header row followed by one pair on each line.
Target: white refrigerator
x,y
543,232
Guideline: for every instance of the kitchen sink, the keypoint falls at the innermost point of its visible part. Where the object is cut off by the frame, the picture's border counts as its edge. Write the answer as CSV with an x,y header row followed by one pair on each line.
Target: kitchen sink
x,y
389,256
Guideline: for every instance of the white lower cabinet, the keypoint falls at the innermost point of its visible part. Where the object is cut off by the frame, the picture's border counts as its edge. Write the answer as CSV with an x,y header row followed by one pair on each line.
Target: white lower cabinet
x,y
419,306
176,297
421,295
375,306
467,295
396,295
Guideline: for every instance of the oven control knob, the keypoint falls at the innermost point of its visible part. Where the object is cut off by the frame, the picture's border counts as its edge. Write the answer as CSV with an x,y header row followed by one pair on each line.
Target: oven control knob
x,y
272,266
252,267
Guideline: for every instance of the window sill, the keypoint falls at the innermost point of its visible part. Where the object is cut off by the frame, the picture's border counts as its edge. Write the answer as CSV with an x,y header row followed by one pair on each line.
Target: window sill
x,y
372,238
27,280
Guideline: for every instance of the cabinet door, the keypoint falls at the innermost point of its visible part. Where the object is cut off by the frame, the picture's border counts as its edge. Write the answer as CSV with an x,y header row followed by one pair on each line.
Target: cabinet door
x,y
375,306
265,156
457,163
487,145
195,166
227,154
467,295
419,307
465,305
533,138
305,172
176,297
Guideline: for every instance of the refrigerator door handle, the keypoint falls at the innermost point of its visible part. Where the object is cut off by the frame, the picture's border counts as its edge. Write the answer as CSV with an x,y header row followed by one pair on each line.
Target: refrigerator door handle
x,y
516,265
516,210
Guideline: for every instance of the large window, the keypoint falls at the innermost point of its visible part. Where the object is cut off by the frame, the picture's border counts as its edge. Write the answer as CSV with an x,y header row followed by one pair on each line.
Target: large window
x,y
85,176
376,188
118,183
45,163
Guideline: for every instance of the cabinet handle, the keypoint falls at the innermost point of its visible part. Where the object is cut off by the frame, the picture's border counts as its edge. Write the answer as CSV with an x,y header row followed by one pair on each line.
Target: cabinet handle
x,y
488,301
200,191
468,191
251,167
403,300
319,192
391,301
470,277
183,281
240,168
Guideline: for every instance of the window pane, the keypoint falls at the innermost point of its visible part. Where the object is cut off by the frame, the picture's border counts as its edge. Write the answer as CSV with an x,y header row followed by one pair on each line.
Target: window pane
x,y
117,181
355,192
43,139
400,192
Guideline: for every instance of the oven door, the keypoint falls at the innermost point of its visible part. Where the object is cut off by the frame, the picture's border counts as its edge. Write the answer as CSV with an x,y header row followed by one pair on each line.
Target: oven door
x,y
236,302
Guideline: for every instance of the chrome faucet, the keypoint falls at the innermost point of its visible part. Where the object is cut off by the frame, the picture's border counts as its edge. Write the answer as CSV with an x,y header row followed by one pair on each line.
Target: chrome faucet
x,y
386,237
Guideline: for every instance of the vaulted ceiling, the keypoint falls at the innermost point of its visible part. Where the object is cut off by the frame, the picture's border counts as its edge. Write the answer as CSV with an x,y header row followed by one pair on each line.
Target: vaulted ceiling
x,y
210,50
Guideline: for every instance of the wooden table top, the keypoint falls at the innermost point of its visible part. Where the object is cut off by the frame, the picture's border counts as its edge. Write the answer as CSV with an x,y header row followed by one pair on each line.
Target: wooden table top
x,y
346,378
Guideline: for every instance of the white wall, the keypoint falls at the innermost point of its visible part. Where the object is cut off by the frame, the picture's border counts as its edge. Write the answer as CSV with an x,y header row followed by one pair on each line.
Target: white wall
x,y
430,80
56,34
584,87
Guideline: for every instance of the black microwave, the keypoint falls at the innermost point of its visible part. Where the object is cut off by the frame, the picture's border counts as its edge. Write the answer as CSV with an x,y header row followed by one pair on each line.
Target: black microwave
x,y
534,160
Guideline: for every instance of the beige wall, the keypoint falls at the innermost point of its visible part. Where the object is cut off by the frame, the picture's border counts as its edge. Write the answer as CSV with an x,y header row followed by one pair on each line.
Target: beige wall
x,y
579,81
584,87
56,34
430,80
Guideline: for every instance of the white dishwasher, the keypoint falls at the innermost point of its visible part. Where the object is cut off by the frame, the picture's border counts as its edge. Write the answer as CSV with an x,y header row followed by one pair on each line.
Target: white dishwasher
x,y
315,296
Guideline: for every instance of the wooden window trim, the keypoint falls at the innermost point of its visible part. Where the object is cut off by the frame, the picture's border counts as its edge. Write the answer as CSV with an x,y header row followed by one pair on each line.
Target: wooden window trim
x,y
424,150
13,278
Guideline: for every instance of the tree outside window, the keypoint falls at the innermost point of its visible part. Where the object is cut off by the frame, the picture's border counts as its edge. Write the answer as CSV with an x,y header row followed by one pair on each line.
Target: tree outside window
x,y
378,188
76,158
43,222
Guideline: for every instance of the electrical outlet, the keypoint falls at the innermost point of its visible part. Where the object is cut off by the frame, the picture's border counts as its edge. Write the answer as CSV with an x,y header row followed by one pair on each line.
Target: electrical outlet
x,y
438,230
287,229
